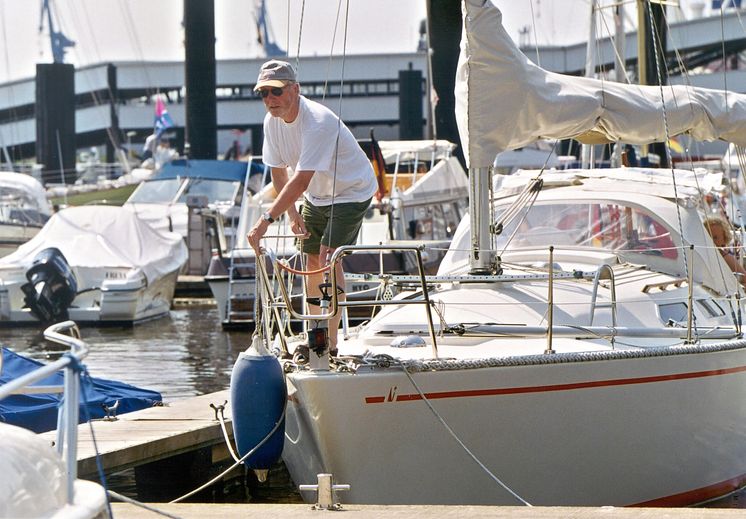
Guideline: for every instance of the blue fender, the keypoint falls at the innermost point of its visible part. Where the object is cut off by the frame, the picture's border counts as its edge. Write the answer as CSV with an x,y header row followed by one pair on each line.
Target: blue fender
x,y
258,398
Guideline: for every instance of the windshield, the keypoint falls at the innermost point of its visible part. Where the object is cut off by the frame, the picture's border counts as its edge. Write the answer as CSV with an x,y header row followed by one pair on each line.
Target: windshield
x,y
216,191
156,191
602,225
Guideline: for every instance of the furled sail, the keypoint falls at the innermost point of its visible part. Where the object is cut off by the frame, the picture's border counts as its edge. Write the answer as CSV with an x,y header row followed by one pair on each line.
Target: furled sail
x,y
504,101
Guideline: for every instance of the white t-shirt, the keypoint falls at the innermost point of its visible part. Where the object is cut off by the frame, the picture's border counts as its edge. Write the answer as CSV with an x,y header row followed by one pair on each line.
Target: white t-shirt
x,y
309,144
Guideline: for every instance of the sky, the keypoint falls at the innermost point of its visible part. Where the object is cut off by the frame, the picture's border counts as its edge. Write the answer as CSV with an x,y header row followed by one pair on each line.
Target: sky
x,y
150,30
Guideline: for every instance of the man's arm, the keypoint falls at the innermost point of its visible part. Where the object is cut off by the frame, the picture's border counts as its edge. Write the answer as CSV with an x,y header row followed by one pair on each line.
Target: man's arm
x,y
289,191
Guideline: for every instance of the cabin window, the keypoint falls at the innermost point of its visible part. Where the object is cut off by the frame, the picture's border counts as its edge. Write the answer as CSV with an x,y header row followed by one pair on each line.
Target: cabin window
x,y
673,312
156,191
602,225
214,190
711,307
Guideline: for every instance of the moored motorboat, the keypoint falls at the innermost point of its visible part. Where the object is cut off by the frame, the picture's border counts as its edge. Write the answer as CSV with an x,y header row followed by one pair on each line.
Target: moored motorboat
x,y
24,209
162,199
93,264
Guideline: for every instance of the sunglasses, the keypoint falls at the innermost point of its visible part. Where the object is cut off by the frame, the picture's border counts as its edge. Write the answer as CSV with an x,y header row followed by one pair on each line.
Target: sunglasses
x,y
275,91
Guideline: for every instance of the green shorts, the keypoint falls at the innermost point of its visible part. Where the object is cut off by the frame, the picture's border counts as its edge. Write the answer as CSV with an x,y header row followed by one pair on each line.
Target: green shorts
x,y
341,230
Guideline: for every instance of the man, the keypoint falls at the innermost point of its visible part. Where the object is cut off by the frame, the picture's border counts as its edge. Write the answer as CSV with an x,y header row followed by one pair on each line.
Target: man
x,y
330,170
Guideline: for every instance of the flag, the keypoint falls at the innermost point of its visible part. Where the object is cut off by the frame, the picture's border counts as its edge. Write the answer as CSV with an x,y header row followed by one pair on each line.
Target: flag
x,y
379,166
163,121
675,145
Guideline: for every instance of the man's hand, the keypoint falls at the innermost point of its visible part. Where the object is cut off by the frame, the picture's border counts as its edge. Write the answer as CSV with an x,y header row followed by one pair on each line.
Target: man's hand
x,y
297,225
256,234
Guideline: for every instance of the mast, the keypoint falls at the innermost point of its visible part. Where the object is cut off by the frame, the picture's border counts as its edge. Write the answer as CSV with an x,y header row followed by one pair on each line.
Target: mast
x,y
620,72
588,159
648,74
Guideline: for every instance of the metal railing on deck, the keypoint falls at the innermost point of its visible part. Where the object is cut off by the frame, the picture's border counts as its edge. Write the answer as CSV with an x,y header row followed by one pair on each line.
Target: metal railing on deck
x,y
335,304
67,422
562,330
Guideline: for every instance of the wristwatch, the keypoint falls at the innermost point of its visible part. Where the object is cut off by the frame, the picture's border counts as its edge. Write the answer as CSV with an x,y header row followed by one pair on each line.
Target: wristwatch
x,y
268,217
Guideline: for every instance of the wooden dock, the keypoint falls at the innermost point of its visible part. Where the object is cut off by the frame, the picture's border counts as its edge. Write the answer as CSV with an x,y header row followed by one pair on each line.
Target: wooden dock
x,y
272,511
151,435
191,286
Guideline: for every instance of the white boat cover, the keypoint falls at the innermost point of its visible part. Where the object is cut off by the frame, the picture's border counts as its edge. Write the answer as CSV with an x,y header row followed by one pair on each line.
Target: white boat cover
x,y
446,180
504,101
408,150
105,236
25,187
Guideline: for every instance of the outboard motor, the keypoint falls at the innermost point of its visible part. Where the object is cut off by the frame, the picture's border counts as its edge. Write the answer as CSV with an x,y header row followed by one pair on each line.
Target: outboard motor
x,y
258,397
51,286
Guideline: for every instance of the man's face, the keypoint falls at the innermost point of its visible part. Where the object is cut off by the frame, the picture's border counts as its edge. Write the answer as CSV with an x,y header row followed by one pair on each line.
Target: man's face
x,y
280,102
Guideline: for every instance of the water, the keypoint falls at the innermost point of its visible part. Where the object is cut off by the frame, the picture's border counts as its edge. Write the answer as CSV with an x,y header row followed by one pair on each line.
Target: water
x,y
184,355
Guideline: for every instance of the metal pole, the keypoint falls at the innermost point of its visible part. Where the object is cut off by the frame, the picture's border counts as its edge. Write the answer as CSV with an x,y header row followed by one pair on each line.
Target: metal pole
x,y
690,299
550,302
642,23
482,255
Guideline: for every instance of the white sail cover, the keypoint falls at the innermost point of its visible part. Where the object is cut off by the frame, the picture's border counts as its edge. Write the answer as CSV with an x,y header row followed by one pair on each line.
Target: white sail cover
x,y
504,101
105,236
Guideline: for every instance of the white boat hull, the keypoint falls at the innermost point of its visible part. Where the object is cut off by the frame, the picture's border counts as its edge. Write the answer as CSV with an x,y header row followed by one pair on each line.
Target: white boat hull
x,y
114,302
634,429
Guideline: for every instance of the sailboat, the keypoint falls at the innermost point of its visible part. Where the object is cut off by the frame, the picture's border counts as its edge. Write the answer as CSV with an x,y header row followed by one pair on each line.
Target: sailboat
x,y
581,343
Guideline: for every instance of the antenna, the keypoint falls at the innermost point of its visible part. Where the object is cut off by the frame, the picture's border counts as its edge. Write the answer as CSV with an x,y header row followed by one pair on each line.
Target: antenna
x,y
59,42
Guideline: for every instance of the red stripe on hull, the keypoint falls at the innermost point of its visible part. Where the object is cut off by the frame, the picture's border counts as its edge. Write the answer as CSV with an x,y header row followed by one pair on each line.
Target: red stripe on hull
x,y
700,495
557,387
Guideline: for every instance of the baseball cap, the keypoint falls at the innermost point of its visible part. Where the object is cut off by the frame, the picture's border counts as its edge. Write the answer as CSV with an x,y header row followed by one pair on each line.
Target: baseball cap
x,y
275,73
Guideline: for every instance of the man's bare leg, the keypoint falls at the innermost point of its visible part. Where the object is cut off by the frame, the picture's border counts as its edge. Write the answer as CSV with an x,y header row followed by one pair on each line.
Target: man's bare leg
x,y
315,262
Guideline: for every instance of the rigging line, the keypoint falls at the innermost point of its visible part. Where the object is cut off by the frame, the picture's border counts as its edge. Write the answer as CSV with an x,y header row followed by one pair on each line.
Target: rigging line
x,y
458,440
689,95
536,40
287,43
687,81
331,51
339,120
135,42
94,95
619,58
300,33
656,53
11,96
725,88
597,13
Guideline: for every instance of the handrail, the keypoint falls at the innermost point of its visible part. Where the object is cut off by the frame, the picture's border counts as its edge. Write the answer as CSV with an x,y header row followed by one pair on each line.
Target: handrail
x,y
67,429
605,267
335,305
550,303
690,296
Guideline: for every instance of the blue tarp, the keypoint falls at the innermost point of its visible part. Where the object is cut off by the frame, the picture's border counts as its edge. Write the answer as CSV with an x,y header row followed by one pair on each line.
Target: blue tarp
x,y
233,170
38,413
